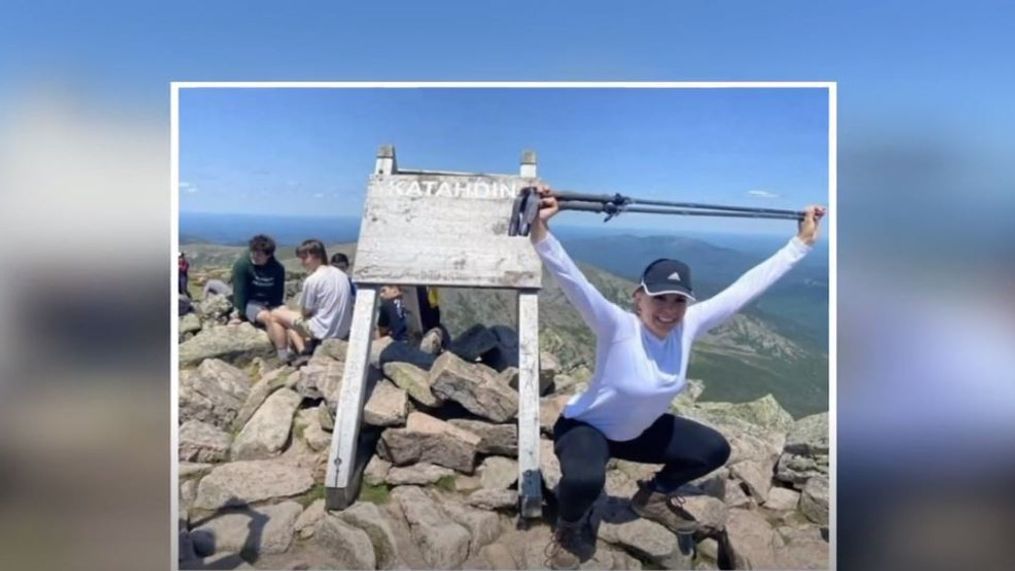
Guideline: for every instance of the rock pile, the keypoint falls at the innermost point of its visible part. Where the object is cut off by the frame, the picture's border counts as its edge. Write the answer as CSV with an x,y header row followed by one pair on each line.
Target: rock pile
x,y
440,491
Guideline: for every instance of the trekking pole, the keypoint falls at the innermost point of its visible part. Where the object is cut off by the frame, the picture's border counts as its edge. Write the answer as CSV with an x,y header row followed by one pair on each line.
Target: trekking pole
x,y
526,208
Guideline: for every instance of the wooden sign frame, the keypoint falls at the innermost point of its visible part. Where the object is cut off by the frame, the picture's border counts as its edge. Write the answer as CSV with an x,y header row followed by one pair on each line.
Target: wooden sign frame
x,y
439,228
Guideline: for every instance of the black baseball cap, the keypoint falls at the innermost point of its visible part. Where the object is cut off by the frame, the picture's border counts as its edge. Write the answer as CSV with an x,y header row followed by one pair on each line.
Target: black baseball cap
x,y
667,276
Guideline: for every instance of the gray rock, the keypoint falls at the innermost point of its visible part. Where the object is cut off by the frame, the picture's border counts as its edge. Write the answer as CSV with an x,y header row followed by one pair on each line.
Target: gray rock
x,y
498,473
203,442
797,469
467,484
782,499
387,405
756,476
306,524
326,376
493,499
687,397
333,349
325,418
268,430
213,393
239,483
443,543
710,512
188,492
735,496
414,381
483,526
270,382
238,344
498,556
548,369
809,436
218,561
376,471
646,539
194,470
190,323
215,307
377,346
494,438
369,518
350,546
420,474
803,548
549,411
473,386
764,412
549,465
751,540
308,423
708,548
814,500
260,530
429,439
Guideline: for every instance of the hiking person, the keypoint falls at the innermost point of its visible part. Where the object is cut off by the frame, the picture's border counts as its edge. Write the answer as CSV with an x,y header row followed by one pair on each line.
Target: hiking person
x,y
391,317
258,288
641,364
184,267
325,301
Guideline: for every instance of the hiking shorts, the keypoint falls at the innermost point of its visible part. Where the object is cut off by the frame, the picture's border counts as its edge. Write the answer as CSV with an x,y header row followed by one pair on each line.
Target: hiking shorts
x,y
253,308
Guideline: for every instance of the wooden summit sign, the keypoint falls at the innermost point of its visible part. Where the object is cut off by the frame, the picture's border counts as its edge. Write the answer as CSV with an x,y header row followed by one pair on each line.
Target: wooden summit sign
x,y
439,228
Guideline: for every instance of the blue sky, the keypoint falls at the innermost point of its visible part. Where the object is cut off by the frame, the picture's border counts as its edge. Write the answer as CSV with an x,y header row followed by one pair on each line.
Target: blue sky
x,y
309,151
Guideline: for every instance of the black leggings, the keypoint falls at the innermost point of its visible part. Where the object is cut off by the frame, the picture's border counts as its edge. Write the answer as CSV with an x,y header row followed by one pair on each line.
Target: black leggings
x,y
687,449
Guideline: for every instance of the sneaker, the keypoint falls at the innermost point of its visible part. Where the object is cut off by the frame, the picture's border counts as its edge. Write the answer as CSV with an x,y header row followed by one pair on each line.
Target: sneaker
x,y
666,509
571,544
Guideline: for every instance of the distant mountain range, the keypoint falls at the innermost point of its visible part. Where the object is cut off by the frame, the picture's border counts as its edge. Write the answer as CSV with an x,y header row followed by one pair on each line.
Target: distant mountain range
x,y
777,345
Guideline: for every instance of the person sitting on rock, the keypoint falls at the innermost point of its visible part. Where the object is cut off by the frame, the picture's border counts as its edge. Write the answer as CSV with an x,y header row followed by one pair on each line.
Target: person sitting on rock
x,y
391,320
258,288
184,270
341,261
325,302
641,364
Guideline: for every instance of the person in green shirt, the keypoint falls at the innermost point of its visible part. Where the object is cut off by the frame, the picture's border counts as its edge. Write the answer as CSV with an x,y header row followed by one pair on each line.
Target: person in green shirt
x,y
258,288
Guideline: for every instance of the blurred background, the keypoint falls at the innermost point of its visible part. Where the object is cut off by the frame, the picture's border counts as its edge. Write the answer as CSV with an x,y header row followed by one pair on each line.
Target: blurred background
x,y
926,317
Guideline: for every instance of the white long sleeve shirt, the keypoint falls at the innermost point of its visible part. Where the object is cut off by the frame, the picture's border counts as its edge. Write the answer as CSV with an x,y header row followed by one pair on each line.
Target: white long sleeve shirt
x,y
637,374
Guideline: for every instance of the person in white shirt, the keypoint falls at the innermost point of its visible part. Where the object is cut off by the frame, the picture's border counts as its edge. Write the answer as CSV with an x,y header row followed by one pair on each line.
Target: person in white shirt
x,y
325,302
641,364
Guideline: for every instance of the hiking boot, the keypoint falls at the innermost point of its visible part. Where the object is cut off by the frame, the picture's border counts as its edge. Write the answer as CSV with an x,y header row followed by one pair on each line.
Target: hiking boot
x,y
666,509
571,544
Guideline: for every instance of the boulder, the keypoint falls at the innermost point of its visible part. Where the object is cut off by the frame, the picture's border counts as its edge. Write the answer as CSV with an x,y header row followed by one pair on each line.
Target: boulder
x,y
443,542
306,524
498,473
260,530
421,474
267,432
237,344
325,417
270,382
332,348
190,323
214,393
203,442
549,411
710,512
750,540
549,465
764,412
483,526
473,386
194,470
757,477
646,539
414,381
324,375
350,547
387,405
804,548
240,483
308,423
782,499
493,499
494,438
498,556
377,346
814,500
429,439
376,471
215,307
809,436
369,518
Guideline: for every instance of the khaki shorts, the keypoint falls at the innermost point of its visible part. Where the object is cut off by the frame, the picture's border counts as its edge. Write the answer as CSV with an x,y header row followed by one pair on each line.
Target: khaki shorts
x,y
302,326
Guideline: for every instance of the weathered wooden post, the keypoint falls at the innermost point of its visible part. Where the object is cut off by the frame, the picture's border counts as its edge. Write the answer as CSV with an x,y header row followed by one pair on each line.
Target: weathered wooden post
x,y
440,228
